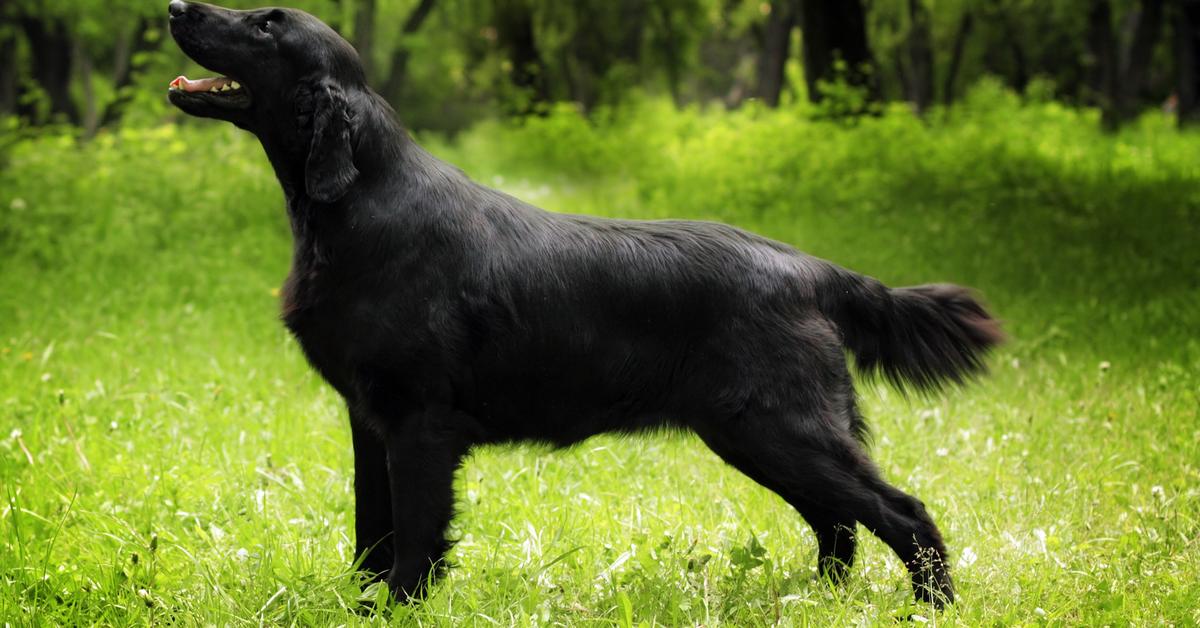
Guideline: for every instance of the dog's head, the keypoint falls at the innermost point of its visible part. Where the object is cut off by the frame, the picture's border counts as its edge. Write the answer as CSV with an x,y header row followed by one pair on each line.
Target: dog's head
x,y
286,76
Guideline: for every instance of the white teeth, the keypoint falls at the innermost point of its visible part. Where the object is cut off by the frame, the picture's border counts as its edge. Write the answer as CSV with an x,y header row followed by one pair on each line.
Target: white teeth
x,y
235,85
213,89
225,87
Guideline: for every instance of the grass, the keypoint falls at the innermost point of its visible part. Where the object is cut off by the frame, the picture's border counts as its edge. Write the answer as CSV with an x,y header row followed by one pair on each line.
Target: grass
x,y
167,456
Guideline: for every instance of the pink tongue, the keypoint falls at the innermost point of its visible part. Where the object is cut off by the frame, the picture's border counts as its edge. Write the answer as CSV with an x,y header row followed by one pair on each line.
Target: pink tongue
x,y
199,85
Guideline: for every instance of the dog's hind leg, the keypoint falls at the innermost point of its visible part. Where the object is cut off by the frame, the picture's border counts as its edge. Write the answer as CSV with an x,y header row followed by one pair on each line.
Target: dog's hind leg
x,y
836,542
903,523
824,473
834,527
424,450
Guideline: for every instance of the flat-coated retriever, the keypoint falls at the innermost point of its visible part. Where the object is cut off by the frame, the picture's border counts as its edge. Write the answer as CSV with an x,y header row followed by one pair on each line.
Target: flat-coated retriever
x,y
448,315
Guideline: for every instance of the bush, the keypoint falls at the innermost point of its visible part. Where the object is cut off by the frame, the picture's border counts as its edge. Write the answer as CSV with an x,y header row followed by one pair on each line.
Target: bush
x,y
1029,201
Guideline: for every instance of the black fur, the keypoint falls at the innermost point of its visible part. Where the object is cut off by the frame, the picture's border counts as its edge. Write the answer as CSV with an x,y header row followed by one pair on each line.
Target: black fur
x,y
449,315
922,337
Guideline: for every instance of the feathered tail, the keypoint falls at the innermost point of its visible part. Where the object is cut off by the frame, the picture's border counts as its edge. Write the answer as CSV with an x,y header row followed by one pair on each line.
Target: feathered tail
x,y
921,337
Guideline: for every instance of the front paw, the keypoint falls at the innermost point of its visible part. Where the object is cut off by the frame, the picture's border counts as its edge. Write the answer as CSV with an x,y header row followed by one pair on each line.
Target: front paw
x,y
408,586
374,563
832,570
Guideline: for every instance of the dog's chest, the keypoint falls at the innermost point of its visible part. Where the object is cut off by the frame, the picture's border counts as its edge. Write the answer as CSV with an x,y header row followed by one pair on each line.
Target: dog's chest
x,y
355,326
306,311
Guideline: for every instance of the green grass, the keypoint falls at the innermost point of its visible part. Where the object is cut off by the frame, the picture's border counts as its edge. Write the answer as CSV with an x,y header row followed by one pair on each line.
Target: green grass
x,y
168,457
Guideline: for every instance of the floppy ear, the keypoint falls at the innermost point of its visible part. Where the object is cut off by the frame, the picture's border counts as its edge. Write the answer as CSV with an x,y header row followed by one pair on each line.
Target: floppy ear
x,y
329,170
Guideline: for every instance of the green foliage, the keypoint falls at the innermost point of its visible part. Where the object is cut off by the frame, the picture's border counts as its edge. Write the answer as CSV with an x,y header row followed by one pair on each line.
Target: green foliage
x,y
168,458
841,99
601,54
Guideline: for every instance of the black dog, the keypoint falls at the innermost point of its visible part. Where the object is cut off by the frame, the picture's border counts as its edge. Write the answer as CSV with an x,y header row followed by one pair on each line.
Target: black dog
x,y
449,315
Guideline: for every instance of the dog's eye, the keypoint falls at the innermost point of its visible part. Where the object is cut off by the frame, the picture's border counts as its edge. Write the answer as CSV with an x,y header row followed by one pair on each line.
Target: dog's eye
x,y
264,27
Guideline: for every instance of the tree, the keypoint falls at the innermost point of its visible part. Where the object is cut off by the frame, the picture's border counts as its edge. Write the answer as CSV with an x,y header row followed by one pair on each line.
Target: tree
x,y
398,72
904,32
130,45
836,48
79,60
1006,54
671,41
364,35
966,24
776,40
8,71
1187,42
50,49
63,54
526,68
1145,24
920,56
1102,56
1119,72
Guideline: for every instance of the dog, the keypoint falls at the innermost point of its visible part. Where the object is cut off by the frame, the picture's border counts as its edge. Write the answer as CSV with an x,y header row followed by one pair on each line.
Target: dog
x,y
450,315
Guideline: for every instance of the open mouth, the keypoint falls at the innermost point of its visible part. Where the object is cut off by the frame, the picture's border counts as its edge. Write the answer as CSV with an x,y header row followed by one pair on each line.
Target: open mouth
x,y
222,91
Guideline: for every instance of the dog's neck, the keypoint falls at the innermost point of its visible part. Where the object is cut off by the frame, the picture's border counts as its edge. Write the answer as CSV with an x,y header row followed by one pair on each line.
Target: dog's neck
x,y
379,143
383,153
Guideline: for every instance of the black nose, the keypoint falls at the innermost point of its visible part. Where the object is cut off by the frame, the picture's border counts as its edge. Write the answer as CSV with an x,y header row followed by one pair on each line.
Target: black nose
x,y
176,8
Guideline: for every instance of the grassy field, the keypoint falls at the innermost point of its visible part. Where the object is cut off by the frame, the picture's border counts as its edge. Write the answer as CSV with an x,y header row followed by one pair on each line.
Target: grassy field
x,y
168,458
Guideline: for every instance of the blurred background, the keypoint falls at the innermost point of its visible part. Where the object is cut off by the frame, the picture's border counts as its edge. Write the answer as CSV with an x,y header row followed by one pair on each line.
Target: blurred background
x,y
445,64
167,456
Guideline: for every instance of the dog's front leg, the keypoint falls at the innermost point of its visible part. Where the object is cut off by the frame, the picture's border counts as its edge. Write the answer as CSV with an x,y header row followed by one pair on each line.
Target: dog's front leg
x,y
423,450
372,498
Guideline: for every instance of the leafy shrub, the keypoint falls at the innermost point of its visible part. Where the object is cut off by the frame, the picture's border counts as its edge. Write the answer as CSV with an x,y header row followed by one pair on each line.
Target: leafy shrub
x,y
1022,199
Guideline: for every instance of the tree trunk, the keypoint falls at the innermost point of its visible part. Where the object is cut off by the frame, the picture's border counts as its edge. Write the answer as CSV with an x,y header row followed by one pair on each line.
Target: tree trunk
x,y
1102,61
364,35
514,33
398,73
1129,79
1148,24
335,17
127,49
50,51
835,47
1136,62
1187,36
1020,79
668,45
776,43
82,63
965,24
636,14
8,74
920,53
901,71
1016,68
